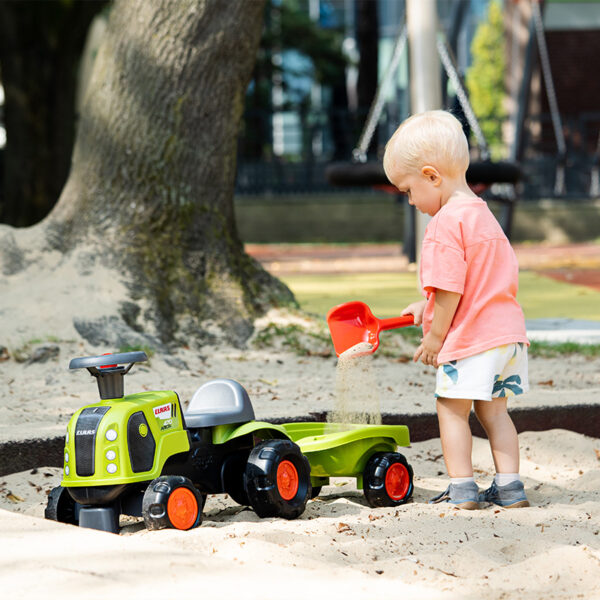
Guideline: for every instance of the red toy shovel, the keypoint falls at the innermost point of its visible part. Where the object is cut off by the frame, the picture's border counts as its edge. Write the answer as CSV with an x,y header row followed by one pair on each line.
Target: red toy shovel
x,y
353,322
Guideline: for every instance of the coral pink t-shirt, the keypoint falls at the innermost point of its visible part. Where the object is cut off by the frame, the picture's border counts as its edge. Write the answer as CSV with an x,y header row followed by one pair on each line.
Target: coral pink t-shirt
x,y
465,251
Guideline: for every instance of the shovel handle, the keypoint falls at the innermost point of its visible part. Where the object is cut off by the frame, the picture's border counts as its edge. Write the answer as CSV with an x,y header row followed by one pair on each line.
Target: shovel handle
x,y
395,322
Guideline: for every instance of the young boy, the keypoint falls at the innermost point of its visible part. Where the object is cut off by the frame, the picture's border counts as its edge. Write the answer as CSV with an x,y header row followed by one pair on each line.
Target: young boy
x,y
473,328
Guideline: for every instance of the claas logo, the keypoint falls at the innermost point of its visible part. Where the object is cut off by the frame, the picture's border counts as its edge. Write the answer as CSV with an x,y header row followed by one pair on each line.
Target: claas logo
x,y
163,412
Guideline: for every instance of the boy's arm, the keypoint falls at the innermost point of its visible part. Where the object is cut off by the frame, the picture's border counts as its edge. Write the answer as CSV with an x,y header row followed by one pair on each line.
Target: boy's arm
x,y
445,306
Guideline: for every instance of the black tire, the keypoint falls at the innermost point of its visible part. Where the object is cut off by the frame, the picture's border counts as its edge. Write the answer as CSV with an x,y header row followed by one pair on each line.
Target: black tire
x,y
315,491
270,495
387,479
158,513
233,479
61,507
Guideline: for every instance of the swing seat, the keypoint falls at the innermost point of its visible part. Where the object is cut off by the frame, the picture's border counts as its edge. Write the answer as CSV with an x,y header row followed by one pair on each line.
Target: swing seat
x,y
371,174
479,174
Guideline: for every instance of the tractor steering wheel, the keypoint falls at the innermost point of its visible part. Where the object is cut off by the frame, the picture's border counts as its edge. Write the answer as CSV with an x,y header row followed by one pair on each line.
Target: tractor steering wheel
x,y
108,360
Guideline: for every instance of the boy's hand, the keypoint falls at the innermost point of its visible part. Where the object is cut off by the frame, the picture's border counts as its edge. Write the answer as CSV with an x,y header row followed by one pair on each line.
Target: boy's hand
x,y
445,305
429,349
415,309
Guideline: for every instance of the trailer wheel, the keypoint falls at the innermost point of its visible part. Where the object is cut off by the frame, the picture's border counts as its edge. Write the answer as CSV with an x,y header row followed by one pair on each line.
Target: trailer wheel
x,y
277,479
61,507
387,479
172,501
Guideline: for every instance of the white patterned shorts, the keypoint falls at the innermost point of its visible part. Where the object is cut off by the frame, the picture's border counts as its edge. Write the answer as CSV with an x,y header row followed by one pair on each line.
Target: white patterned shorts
x,y
496,373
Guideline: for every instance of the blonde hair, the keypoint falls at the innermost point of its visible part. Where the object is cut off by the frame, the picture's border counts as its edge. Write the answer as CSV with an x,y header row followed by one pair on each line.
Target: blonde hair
x,y
433,138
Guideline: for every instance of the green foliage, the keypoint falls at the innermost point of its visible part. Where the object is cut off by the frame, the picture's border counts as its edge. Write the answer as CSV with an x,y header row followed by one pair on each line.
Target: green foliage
x,y
485,77
295,338
322,46
288,27
138,348
399,344
552,349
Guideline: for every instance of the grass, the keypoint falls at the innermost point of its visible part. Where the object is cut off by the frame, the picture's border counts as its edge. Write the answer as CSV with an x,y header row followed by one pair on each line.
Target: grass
x,y
388,293
554,349
543,297
48,338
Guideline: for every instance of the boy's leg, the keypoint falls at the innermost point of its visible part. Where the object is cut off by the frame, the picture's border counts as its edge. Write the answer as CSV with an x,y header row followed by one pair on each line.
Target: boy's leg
x,y
507,489
501,432
455,434
457,444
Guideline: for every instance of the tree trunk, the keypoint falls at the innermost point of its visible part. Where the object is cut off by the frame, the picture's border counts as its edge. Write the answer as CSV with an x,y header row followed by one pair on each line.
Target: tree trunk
x,y
151,185
40,47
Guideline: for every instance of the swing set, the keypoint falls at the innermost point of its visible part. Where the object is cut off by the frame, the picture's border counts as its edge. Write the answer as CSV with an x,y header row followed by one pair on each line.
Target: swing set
x,y
484,172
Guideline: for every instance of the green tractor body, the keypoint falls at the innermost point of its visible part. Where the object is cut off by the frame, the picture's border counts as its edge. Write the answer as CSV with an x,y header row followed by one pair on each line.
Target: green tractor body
x,y
123,441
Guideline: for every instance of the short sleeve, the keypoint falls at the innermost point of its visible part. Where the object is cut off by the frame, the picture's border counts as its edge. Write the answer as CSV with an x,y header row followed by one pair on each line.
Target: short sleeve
x,y
443,267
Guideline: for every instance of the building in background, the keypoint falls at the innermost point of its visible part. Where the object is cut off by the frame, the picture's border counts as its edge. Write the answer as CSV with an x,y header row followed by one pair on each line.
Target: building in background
x,y
553,98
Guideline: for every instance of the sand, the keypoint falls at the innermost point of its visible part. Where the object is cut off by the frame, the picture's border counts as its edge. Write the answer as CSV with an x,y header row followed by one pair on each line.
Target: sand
x,y
340,547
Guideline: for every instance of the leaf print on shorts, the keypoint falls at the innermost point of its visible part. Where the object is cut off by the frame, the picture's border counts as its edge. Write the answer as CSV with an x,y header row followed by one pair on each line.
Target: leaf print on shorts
x,y
510,384
451,371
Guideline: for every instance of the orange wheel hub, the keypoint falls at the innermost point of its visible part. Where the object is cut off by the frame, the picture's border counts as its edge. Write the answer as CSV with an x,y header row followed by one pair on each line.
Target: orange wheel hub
x,y
397,481
287,480
182,508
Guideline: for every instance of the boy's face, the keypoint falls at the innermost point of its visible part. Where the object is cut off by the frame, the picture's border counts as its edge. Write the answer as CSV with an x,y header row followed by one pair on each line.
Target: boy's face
x,y
422,189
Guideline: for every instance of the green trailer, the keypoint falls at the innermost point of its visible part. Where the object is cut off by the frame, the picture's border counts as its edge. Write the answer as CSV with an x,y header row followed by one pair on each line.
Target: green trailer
x,y
366,452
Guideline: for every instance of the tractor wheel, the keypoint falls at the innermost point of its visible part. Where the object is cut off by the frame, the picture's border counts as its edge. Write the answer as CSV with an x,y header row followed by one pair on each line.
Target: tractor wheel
x,y
387,479
172,501
61,507
233,479
277,479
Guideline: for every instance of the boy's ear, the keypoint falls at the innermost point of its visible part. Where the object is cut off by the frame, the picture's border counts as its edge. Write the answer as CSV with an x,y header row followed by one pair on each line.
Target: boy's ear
x,y
432,175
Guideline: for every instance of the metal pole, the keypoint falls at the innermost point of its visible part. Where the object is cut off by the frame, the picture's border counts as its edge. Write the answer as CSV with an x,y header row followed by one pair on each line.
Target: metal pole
x,y
425,86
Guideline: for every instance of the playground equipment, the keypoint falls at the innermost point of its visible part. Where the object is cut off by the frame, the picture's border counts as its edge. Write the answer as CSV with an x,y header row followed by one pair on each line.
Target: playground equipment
x,y
141,455
482,173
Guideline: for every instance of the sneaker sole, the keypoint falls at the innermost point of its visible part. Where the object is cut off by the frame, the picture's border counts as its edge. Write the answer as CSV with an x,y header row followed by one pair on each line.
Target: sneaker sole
x,y
469,505
519,504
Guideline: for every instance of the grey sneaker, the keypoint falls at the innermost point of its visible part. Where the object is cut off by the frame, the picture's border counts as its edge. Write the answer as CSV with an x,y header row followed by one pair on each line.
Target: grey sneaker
x,y
511,495
462,495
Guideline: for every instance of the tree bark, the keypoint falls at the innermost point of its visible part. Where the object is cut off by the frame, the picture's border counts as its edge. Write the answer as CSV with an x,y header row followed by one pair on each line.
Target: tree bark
x,y
150,193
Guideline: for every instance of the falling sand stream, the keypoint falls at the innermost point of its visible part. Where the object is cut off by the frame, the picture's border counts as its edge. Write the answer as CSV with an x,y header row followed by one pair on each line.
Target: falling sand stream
x,y
356,391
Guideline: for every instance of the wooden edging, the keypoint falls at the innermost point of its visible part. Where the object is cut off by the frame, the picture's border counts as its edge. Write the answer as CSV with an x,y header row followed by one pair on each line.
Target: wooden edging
x,y
17,456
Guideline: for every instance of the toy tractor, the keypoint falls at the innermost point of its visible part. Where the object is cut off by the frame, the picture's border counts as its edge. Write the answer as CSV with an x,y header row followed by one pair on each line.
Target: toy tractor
x,y
140,455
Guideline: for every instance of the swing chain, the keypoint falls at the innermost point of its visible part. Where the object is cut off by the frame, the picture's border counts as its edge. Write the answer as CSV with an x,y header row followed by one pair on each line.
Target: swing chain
x,y
559,184
359,154
449,64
